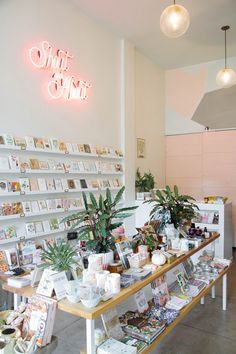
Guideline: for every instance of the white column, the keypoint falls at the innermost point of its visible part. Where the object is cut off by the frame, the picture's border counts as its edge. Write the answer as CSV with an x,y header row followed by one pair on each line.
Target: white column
x,y
224,292
90,337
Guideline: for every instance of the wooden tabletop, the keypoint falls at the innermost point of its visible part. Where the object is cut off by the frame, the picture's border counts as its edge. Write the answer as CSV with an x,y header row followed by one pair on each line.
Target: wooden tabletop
x,y
84,312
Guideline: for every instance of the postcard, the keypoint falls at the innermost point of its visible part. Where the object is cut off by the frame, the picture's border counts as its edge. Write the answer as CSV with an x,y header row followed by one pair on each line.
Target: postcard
x,y
43,165
29,142
3,186
30,228
34,184
24,184
7,208
42,184
4,163
24,164
17,208
38,142
50,184
14,186
20,142
47,144
14,162
26,207
42,205
8,139
34,164
35,206
54,144
58,185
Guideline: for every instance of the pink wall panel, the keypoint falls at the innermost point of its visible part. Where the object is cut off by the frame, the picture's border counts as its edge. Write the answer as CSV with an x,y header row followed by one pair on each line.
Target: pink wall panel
x,y
203,164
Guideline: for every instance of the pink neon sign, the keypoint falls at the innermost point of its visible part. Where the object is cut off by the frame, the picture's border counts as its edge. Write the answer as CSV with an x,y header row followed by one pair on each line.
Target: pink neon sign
x,y
61,84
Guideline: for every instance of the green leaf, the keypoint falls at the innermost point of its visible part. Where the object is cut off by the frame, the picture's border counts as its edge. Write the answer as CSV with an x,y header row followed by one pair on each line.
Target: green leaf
x,y
118,196
93,201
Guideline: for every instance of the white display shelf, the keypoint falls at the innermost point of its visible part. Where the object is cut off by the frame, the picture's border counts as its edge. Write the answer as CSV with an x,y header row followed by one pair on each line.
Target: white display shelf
x,y
42,213
12,194
9,194
111,157
111,173
210,227
30,237
47,151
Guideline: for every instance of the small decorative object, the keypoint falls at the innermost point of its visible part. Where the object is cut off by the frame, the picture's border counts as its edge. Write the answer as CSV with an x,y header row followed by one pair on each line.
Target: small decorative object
x,y
158,258
147,237
28,347
115,267
141,148
95,262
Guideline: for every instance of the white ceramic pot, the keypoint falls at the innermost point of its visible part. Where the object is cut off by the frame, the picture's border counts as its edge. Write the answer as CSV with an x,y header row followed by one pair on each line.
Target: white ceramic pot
x,y
17,350
158,258
107,258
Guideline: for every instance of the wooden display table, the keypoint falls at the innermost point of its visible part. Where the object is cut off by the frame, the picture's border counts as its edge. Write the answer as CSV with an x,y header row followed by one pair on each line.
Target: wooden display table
x,y
90,314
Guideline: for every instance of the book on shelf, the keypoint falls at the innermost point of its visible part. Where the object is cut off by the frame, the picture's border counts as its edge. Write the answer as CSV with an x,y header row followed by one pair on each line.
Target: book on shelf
x,y
26,207
4,267
12,258
14,186
6,209
38,142
58,184
24,164
111,346
30,228
35,206
10,231
54,144
160,291
3,186
14,162
26,252
24,184
38,227
4,163
47,144
34,187
111,324
134,342
8,139
40,320
2,233
20,142
17,208
43,165
42,184
29,142
42,205
34,164
50,184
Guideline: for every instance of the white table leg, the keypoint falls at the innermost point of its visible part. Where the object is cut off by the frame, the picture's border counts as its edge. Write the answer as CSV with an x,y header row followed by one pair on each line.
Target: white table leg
x,y
202,301
90,337
17,300
213,292
224,294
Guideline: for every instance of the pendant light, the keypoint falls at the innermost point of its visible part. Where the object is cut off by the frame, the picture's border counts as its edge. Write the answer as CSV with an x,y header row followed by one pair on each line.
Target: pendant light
x,y
226,77
174,21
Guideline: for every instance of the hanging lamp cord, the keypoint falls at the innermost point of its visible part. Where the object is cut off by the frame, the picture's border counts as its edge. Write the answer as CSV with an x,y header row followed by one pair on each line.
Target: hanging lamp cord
x,y
225,51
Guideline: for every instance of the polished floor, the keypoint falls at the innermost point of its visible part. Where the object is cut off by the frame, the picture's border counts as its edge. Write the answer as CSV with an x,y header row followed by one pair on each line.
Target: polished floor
x,y
206,330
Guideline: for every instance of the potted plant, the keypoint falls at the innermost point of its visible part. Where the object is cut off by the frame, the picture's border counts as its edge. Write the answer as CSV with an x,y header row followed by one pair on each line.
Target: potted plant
x,y
97,221
144,184
59,257
147,236
172,207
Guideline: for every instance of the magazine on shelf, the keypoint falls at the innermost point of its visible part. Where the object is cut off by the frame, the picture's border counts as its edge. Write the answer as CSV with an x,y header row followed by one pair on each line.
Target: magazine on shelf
x,y
29,142
52,164
62,146
50,184
3,186
58,184
34,184
14,162
24,184
20,142
38,227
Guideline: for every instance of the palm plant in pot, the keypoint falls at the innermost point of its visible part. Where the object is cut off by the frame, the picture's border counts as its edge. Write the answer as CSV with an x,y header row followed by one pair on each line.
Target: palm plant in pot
x,y
144,184
172,207
97,221
60,257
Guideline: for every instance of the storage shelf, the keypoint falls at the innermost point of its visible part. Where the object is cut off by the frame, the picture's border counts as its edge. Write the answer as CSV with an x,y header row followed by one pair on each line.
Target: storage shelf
x,y
31,215
30,237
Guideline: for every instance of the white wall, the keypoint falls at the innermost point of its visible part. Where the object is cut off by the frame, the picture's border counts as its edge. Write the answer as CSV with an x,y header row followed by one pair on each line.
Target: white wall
x,y
24,105
150,115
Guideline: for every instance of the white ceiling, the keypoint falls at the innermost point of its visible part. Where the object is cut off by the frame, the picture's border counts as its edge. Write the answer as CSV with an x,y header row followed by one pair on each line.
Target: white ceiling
x,y
138,21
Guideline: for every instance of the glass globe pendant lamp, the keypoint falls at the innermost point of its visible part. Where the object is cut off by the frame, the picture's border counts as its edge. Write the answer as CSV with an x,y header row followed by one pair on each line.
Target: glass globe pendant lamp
x,y
226,77
174,21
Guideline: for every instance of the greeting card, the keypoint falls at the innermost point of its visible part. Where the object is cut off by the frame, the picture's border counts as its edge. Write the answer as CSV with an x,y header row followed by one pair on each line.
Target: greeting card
x,y
24,184
34,164
39,144
33,184
26,207
14,162
14,186
29,142
20,142
42,184
4,163
3,186
17,208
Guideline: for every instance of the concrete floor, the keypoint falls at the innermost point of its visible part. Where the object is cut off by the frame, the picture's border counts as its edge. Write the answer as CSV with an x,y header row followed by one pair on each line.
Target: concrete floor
x,y
206,330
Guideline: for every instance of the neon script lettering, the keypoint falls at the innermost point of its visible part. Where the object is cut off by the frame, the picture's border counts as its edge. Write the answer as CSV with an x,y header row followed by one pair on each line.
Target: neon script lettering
x,y
62,85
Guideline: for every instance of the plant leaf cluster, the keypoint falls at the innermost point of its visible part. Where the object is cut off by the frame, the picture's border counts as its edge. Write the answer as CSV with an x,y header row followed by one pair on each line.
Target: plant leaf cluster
x,y
145,182
59,257
96,222
180,207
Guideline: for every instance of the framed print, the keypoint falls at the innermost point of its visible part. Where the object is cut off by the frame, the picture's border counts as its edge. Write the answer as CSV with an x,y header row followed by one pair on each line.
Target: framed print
x,y
141,148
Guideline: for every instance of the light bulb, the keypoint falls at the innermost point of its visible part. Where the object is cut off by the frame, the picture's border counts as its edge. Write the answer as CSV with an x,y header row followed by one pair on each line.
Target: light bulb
x,y
174,21
226,78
